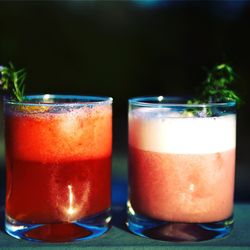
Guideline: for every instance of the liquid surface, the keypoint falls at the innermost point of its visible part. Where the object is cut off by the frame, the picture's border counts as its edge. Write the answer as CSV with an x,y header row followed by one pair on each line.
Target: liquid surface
x,y
169,132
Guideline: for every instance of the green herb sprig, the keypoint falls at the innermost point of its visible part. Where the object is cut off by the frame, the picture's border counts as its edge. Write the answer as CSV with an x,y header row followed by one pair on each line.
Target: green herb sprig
x,y
12,82
216,88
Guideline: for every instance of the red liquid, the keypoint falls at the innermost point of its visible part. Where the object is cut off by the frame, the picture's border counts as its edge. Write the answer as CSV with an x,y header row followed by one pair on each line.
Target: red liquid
x,y
58,165
184,188
52,193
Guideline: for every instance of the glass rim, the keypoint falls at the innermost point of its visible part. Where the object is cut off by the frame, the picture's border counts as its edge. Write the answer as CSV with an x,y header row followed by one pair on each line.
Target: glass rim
x,y
174,101
73,100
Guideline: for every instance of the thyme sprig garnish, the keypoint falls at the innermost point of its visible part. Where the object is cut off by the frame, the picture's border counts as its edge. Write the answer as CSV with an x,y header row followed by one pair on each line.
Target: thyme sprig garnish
x,y
12,82
216,88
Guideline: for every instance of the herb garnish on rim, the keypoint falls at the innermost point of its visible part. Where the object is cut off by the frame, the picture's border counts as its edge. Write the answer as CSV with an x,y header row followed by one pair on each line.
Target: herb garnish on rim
x,y
12,82
217,86
216,89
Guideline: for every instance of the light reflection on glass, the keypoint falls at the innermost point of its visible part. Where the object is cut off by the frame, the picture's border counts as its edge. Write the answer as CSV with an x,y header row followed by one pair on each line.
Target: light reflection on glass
x,y
71,210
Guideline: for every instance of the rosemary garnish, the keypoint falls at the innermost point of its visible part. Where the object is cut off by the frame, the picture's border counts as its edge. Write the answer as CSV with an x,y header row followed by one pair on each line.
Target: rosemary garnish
x,y
12,82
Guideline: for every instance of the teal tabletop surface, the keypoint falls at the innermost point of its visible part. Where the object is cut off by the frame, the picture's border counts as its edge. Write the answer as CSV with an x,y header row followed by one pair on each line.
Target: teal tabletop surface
x,y
118,237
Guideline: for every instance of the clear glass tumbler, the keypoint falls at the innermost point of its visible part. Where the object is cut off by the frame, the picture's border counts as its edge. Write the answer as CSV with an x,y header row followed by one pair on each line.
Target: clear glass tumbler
x,y
58,159
181,168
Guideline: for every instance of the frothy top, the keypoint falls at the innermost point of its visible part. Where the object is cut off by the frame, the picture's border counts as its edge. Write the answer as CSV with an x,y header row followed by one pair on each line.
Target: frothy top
x,y
74,135
168,132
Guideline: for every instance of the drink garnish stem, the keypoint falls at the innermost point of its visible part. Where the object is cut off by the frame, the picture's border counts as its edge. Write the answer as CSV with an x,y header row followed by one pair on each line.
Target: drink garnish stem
x,y
12,82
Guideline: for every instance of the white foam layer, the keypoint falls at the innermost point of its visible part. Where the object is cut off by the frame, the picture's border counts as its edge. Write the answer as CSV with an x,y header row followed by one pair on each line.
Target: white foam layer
x,y
170,133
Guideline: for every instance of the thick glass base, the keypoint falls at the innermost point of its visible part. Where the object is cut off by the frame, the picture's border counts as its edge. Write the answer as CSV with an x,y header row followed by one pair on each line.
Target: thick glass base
x,y
84,229
178,231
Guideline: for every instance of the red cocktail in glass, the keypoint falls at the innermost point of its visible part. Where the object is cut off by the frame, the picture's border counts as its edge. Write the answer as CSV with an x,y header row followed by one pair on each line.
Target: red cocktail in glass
x,y
58,157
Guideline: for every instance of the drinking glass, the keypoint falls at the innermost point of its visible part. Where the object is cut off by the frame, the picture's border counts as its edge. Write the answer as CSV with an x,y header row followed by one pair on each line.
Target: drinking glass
x,y
181,168
58,159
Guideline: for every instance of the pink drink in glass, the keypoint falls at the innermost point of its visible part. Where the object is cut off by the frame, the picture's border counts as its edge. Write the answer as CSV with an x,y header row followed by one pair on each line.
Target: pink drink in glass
x,y
181,168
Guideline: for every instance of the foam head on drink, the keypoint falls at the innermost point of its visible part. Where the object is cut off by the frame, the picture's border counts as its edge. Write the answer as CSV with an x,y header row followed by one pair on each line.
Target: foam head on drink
x,y
181,168
58,164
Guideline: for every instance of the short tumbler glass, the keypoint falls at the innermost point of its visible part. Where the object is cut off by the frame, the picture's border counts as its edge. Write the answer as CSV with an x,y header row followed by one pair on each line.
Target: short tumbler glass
x,y
58,159
181,168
